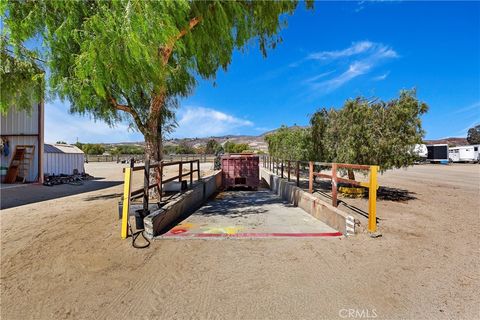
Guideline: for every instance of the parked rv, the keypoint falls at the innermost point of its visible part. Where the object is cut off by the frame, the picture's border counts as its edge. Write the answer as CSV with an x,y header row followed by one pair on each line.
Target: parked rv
x,y
464,154
437,153
420,150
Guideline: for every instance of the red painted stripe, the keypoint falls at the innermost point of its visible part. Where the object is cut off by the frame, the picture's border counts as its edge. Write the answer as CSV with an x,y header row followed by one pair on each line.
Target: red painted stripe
x,y
253,235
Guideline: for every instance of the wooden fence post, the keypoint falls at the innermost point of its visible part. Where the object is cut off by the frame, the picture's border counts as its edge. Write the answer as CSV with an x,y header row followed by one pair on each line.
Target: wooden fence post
x,y
191,173
298,173
288,174
310,177
146,185
161,181
334,185
198,170
180,171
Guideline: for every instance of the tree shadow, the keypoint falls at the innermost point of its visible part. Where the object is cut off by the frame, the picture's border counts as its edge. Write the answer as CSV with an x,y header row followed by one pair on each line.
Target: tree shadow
x,y
383,192
395,194
239,203
234,204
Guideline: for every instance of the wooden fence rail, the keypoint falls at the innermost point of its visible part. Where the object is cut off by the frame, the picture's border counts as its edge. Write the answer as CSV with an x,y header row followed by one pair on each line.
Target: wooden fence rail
x,y
278,166
129,195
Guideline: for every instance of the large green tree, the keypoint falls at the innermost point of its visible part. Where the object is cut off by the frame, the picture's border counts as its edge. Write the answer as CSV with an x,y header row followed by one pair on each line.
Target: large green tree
x,y
132,59
370,131
293,143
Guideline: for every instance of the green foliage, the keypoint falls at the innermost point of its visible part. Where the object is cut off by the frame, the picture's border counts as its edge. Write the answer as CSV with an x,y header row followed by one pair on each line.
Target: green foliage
x,y
232,147
126,149
21,78
169,149
91,148
184,148
290,143
370,132
473,135
213,147
136,56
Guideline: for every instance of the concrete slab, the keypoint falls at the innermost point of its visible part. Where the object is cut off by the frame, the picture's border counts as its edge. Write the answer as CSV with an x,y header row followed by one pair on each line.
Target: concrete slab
x,y
250,214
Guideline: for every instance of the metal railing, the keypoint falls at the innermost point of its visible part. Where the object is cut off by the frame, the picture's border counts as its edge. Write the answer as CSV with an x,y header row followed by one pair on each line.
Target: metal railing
x,y
279,166
129,195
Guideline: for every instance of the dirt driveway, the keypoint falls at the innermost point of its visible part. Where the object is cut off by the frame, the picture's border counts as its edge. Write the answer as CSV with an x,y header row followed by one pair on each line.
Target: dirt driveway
x,y
63,259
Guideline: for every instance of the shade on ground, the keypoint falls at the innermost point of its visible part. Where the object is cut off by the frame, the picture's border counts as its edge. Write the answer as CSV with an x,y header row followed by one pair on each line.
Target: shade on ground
x,y
250,214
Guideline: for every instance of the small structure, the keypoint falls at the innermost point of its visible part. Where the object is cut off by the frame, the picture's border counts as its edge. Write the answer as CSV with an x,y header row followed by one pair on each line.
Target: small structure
x,y
240,170
21,151
421,151
63,159
437,153
464,153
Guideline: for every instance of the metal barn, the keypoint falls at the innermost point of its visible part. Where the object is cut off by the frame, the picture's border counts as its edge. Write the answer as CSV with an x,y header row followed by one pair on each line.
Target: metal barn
x,y
63,159
19,130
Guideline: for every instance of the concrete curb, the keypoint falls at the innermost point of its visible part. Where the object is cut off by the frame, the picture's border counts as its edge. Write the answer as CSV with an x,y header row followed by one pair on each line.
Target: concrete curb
x,y
181,204
314,206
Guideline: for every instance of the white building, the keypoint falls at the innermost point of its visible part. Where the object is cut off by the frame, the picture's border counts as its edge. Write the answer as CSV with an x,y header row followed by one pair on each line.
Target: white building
x,y
63,159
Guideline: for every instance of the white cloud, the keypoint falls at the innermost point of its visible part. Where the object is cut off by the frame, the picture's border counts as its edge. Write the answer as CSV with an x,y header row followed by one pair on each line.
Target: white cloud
x,y
196,121
60,125
473,107
367,55
319,76
354,49
381,77
356,69
464,131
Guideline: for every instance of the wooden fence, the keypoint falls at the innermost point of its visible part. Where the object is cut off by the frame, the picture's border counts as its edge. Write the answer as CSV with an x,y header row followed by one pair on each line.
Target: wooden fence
x,y
285,167
129,195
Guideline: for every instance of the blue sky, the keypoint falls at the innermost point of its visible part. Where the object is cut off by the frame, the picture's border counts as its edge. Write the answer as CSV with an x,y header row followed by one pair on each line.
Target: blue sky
x,y
337,51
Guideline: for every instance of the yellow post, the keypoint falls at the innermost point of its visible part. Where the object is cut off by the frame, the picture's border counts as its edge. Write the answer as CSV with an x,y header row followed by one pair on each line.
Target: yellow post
x,y
372,200
126,202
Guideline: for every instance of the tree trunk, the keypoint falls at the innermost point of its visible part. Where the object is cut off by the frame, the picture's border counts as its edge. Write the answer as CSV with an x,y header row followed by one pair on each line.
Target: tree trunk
x,y
153,153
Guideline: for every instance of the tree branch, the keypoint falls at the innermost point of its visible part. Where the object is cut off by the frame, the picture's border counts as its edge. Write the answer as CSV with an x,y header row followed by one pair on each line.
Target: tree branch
x,y
168,50
131,111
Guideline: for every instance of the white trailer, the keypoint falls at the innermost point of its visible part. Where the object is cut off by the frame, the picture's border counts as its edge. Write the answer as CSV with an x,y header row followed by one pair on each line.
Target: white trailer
x,y
464,153
420,150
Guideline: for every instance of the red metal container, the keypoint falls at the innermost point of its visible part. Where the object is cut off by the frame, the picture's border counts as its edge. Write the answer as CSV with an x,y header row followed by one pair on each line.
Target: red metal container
x,y
240,170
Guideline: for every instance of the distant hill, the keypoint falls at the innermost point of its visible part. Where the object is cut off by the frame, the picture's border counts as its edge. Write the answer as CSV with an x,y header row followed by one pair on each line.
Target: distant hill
x,y
450,141
258,142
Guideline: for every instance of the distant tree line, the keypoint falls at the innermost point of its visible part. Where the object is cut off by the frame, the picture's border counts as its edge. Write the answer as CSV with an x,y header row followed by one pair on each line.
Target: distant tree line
x,y
363,131
91,148
212,147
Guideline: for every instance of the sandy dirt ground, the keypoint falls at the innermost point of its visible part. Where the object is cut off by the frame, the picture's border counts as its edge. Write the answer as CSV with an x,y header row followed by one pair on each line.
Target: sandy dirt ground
x,y
63,258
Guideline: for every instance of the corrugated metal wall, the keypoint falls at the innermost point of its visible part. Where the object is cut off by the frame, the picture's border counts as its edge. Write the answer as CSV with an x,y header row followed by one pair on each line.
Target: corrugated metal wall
x,y
63,163
18,123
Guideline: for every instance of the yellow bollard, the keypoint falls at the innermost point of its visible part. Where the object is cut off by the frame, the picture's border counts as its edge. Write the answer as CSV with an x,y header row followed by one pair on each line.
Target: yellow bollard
x,y
126,202
372,199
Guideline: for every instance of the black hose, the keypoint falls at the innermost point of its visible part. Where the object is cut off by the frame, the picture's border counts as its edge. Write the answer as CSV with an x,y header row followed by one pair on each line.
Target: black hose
x,y
135,235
